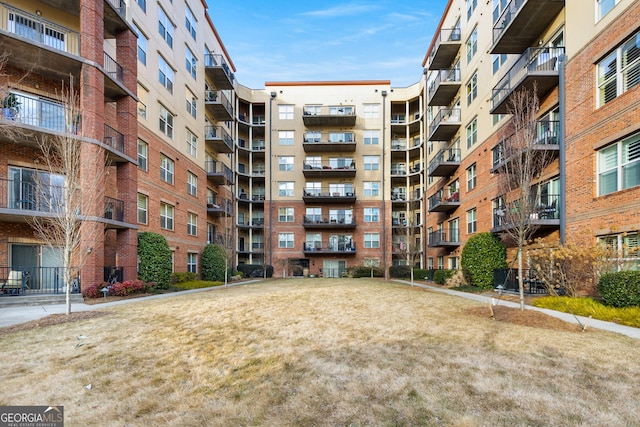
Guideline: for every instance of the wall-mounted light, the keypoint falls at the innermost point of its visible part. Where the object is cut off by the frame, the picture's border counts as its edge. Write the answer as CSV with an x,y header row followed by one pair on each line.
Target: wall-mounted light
x,y
89,250
38,12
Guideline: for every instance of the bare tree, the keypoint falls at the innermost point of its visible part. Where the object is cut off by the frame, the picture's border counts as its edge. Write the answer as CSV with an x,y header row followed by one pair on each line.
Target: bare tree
x,y
408,245
522,164
8,101
69,193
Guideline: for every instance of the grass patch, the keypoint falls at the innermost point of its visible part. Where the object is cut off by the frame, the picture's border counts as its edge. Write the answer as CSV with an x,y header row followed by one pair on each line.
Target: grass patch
x,y
629,316
470,289
196,284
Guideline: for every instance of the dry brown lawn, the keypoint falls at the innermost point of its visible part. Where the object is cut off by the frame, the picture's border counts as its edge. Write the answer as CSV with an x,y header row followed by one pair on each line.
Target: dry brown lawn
x,y
321,352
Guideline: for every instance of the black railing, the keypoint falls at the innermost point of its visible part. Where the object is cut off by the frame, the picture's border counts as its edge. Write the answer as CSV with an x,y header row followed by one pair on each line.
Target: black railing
x,y
329,247
114,209
112,274
342,219
506,279
28,196
543,207
112,68
113,138
25,280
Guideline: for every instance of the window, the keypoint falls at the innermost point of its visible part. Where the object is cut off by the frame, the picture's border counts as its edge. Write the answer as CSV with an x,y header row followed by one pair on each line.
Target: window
x,y
192,262
371,188
440,262
192,224
472,44
142,101
371,163
166,216
166,169
192,144
471,177
371,240
191,63
619,165
472,88
471,6
498,59
192,184
192,104
211,233
471,221
142,45
143,208
285,137
165,27
285,112
165,74
285,189
371,137
142,4
285,240
313,240
603,7
472,132
190,22
166,122
498,7
143,154
371,214
371,111
619,71
285,214
285,163
627,248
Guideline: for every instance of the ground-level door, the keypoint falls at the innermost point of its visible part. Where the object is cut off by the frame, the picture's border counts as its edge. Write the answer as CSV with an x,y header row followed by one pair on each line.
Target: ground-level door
x,y
42,264
334,268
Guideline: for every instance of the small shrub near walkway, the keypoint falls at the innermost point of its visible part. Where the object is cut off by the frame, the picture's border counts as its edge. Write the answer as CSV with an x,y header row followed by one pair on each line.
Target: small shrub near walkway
x,y
629,316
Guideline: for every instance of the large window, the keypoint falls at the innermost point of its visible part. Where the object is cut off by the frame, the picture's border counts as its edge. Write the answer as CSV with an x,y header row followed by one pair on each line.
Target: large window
x,y
285,189
285,214
191,63
619,71
165,123
285,137
371,111
143,208
472,88
603,7
192,184
472,132
371,188
192,224
166,216
471,177
371,163
619,165
371,214
285,112
371,240
472,44
285,240
143,155
471,221
371,137
192,144
627,248
190,22
165,74
192,262
31,189
285,163
498,59
165,27
142,45
166,169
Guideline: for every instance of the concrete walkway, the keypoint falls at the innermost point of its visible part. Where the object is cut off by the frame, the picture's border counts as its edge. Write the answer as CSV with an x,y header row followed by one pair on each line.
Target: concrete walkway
x,y
567,317
20,314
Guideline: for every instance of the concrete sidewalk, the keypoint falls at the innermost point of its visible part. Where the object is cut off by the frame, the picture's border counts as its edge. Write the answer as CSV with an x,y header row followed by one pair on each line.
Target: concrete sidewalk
x,y
567,317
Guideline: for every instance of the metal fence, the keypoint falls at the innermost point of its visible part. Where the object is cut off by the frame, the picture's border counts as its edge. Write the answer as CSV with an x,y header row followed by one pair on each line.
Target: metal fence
x,y
24,280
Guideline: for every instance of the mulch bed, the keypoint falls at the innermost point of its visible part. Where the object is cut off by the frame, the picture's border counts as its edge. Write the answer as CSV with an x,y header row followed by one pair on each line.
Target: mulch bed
x,y
53,319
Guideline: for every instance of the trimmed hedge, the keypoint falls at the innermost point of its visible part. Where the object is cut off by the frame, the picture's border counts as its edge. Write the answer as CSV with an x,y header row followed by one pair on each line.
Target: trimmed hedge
x,y
358,271
183,277
213,263
441,276
400,271
482,254
155,259
255,270
620,289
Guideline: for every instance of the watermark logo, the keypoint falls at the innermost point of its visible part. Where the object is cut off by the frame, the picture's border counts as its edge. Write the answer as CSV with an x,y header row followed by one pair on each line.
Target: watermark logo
x,y
31,416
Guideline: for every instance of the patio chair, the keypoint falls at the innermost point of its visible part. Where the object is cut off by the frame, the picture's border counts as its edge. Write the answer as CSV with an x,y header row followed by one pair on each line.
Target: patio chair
x,y
13,284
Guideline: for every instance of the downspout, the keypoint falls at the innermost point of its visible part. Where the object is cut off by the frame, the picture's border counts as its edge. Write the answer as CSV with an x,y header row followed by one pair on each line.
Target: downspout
x,y
562,147
384,209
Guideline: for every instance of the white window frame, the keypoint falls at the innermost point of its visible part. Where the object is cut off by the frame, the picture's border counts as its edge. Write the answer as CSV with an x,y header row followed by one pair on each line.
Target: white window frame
x,y
286,137
165,27
286,163
192,144
626,157
192,262
167,212
612,72
143,155
371,111
192,224
472,221
191,22
192,184
472,88
371,188
166,74
285,112
167,168
143,208
191,63
471,177
286,188
285,214
285,240
165,123
371,240
371,136
472,132
142,45
472,44
371,214
371,163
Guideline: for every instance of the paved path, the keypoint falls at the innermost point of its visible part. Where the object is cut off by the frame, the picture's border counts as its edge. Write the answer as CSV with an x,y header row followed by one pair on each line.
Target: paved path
x,y
20,314
567,317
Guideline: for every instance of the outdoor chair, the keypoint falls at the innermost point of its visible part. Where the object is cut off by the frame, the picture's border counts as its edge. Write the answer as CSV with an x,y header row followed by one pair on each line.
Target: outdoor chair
x,y
13,284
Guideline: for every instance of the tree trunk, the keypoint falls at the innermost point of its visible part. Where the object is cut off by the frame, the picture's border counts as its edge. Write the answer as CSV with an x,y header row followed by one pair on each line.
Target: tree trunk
x,y
520,278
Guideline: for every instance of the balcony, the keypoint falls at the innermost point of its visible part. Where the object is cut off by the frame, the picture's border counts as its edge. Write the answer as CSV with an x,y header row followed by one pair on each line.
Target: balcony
x,y
218,71
445,124
21,198
342,221
445,162
536,65
544,214
333,168
445,49
329,115
219,206
545,144
328,195
398,144
522,22
445,238
113,213
115,17
343,142
218,105
218,173
114,88
218,139
444,87
444,200
346,247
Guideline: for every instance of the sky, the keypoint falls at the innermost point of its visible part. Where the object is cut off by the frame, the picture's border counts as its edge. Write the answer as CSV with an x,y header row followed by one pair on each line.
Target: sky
x,y
297,40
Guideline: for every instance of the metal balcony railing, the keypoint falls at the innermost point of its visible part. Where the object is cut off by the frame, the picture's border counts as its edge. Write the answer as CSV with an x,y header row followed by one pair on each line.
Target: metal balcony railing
x,y
543,207
447,155
44,114
444,237
113,138
338,246
214,167
217,60
112,68
34,280
218,132
114,209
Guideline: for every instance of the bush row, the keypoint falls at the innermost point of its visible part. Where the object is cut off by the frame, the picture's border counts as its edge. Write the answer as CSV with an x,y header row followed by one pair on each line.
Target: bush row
x,y
122,289
620,289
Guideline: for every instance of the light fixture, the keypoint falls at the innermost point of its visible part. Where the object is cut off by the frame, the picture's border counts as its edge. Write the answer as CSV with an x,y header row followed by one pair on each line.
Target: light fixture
x,y
38,12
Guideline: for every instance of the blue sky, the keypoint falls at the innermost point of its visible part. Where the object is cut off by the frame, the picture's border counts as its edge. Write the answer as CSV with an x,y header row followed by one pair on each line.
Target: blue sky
x,y
279,40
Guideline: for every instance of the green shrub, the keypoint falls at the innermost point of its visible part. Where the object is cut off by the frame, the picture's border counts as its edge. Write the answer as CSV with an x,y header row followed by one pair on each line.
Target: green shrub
x,y
197,284
441,276
358,271
586,307
400,271
214,261
482,254
255,270
421,273
155,259
183,277
620,289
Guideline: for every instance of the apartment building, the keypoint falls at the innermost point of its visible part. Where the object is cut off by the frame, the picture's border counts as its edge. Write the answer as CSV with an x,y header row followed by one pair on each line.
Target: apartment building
x,y
51,45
